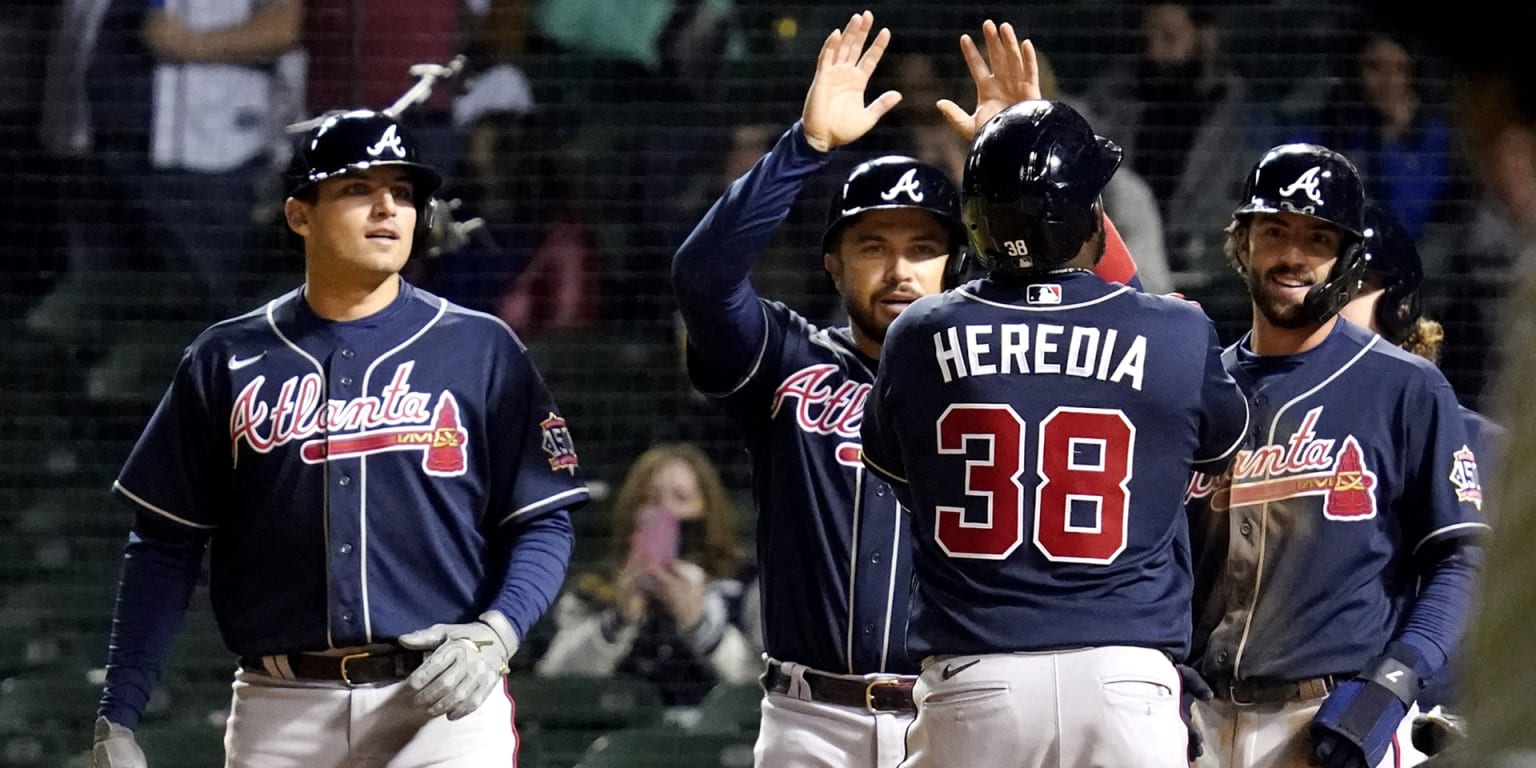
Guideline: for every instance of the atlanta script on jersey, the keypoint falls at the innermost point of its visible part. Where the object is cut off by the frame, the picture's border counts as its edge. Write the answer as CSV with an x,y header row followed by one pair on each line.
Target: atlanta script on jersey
x,y
1042,435
355,466
1357,460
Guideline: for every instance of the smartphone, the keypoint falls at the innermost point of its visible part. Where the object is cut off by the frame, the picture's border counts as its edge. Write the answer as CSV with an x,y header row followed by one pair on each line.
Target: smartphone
x,y
654,544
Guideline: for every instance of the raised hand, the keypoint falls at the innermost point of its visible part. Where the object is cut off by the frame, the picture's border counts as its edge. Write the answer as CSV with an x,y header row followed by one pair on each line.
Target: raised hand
x,y
1009,74
835,113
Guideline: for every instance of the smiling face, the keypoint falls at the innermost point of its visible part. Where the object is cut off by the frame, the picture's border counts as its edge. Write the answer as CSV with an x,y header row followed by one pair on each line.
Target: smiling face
x,y
359,224
885,260
1288,253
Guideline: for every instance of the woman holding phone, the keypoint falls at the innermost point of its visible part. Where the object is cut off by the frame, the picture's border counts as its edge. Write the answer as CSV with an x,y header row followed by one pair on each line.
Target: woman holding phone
x,y
667,607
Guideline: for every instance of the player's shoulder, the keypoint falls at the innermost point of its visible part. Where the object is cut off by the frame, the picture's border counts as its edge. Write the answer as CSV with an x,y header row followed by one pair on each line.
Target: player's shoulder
x,y
1382,355
460,320
1173,308
256,324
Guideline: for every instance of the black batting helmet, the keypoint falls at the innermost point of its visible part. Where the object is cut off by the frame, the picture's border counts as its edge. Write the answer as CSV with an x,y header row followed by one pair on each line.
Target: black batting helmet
x,y
894,181
1315,181
358,140
1031,187
355,141
1395,259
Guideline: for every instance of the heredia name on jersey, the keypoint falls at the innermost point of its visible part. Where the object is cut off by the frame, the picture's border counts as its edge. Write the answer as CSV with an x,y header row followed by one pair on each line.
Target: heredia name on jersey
x,y
1301,466
396,420
1042,349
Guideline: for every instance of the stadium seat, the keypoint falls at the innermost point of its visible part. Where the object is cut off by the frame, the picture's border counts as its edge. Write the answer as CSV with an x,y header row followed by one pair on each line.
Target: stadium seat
x,y
584,703
182,743
731,709
668,748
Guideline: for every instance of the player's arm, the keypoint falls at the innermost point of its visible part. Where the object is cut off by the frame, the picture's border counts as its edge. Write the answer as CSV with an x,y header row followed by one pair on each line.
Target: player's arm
x,y
1223,411
711,271
1117,266
1362,714
535,488
878,436
169,480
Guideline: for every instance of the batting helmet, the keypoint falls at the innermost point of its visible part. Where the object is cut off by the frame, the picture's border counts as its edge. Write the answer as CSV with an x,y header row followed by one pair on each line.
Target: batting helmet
x,y
1315,181
1395,259
355,141
894,181
362,139
1032,184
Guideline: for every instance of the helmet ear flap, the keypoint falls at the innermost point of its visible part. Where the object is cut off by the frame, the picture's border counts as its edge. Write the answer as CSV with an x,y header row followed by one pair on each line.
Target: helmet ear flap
x,y
1327,298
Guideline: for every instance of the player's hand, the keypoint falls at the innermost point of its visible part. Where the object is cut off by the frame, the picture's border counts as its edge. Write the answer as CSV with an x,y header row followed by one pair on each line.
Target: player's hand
x,y
115,747
1192,688
680,591
1007,75
466,664
835,113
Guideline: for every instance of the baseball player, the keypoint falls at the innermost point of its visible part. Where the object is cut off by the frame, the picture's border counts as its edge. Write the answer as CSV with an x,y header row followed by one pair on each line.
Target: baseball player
x,y
1390,304
1040,423
833,551
1335,563
382,479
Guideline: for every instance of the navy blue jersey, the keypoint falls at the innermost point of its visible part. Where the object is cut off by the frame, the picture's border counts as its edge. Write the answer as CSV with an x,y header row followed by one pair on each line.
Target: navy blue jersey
x,y
833,553
1042,436
1357,463
840,604
351,472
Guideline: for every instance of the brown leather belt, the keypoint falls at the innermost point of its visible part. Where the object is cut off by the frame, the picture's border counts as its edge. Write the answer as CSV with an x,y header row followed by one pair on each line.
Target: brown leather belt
x,y
890,694
352,669
1254,691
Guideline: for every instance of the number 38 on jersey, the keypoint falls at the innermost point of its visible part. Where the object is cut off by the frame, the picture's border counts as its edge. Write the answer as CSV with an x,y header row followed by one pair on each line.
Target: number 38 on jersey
x,y
1082,459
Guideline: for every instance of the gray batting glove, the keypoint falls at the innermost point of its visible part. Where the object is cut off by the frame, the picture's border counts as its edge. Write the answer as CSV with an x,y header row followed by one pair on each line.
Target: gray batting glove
x,y
467,663
115,747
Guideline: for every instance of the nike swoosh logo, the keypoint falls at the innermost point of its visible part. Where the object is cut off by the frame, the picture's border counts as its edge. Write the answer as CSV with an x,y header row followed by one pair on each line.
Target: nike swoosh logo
x,y
951,670
236,363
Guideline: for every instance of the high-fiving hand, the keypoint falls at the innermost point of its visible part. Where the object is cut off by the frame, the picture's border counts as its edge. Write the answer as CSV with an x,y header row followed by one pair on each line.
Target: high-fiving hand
x,y
835,113
1008,75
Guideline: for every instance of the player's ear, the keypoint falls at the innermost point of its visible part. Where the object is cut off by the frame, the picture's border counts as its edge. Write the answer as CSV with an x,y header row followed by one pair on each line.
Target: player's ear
x,y
833,264
296,213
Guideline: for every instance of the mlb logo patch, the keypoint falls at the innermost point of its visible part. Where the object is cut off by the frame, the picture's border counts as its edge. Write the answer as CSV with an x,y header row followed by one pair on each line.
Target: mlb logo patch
x,y
1048,293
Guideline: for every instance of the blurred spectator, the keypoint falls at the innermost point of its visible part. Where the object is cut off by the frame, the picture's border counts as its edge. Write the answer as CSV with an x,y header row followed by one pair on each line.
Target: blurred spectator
x,y
29,236
662,610
1486,263
182,103
1379,116
663,50
1128,199
360,54
532,264
1183,116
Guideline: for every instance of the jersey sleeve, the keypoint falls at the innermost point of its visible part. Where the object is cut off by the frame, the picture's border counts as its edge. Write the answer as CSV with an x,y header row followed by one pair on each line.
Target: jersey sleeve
x,y
711,270
180,468
750,399
535,469
1223,411
881,443
1443,463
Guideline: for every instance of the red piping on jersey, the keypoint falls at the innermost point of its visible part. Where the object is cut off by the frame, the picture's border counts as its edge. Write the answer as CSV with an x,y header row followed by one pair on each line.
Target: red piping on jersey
x,y
517,739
